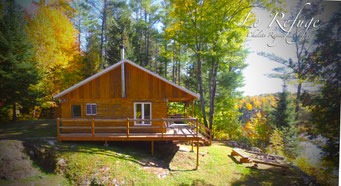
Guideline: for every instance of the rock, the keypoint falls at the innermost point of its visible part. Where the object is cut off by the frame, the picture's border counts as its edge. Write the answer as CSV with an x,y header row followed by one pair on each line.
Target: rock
x,y
114,181
61,162
255,149
203,153
183,149
233,143
31,153
151,163
51,143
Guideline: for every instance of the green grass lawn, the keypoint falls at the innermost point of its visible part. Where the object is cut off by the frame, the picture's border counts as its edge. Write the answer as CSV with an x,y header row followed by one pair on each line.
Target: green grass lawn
x,y
28,129
131,163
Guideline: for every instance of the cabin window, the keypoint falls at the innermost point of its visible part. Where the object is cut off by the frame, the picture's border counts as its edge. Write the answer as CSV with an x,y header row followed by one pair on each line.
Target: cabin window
x,y
76,111
91,109
142,111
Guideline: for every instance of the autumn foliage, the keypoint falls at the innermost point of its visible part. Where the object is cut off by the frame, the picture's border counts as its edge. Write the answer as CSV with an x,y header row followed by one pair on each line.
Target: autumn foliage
x,y
55,42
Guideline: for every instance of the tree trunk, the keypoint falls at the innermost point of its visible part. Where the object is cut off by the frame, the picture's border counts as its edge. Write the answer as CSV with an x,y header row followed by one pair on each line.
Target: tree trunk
x,y
213,85
179,65
201,92
145,40
298,95
166,63
103,31
173,78
14,117
79,34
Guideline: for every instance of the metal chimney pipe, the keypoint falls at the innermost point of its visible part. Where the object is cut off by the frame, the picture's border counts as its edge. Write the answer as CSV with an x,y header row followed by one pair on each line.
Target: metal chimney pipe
x,y
123,73
122,52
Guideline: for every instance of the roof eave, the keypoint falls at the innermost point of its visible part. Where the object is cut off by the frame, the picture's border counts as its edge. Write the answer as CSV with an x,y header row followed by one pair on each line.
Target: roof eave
x,y
114,66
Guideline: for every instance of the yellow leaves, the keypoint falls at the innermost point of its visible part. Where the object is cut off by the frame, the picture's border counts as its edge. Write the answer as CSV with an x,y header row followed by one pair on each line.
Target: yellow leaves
x,y
277,144
55,40
249,106
248,125
257,103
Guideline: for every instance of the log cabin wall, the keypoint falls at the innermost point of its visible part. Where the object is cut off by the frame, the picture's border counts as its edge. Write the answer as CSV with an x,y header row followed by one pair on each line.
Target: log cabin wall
x,y
105,91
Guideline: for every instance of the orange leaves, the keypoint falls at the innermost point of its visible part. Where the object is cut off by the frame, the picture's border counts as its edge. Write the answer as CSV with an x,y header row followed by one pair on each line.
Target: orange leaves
x,y
55,40
256,126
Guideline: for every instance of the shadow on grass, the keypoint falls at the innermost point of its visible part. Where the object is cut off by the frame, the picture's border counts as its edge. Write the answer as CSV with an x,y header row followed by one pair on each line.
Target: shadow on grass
x,y
196,182
28,129
32,132
135,151
269,176
234,159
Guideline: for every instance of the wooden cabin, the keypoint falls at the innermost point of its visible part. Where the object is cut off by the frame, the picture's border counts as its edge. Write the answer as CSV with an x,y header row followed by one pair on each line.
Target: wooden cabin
x,y
126,102
110,94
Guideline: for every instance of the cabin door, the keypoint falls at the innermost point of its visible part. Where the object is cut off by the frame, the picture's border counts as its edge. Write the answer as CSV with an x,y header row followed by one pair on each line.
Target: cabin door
x,y
143,110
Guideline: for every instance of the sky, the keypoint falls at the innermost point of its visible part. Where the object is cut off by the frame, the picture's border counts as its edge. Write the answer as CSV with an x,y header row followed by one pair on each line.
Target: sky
x,y
255,74
256,81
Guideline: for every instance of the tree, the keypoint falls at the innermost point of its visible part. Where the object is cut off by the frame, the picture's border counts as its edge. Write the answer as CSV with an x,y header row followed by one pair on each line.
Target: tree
x,y
56,47
120,32
283,118
283,115
144,44
303,45
324,63
207,29
91,61
18,72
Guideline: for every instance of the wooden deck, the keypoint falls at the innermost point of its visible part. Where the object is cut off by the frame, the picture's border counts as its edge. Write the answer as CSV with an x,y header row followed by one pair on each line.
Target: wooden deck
x,y
183,129
189,130
173,134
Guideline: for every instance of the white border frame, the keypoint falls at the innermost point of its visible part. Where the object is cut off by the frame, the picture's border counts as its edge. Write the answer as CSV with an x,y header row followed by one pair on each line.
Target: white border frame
x,y
142,114
90,109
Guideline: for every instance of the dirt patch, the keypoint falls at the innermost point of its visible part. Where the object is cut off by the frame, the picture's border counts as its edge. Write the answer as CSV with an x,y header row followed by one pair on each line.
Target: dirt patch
x,y
14,163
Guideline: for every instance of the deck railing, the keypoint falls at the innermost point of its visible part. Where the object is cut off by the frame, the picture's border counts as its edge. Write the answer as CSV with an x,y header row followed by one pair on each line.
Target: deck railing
x,y
167,123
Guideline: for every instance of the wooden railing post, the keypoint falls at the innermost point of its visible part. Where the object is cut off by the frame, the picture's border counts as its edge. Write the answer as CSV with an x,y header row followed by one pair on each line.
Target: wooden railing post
x,y
58,132
93,127
197,153
210,137
192,108
163,122
127,127
197,126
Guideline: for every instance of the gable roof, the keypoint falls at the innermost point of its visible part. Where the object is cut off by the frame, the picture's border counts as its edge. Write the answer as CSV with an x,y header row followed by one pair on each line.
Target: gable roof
x,y
117,65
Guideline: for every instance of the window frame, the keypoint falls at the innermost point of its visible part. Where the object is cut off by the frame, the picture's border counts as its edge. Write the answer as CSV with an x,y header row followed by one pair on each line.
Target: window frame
x,y
72,112
91,111
142,113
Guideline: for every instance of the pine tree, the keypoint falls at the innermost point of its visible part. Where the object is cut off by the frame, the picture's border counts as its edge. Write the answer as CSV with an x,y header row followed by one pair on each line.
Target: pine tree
x,y
91,61
283,116
17,68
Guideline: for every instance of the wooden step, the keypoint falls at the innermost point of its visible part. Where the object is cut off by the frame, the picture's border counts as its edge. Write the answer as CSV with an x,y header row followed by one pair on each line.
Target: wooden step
x,y
205,140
